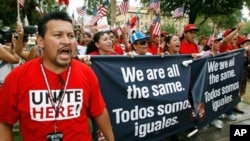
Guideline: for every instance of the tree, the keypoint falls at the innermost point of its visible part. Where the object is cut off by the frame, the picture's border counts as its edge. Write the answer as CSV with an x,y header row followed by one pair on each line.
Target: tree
x,y
113,12
8,10
205,8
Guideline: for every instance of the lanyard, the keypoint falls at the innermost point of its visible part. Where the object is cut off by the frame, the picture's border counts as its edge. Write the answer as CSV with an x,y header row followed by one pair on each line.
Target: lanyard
x,y
53,103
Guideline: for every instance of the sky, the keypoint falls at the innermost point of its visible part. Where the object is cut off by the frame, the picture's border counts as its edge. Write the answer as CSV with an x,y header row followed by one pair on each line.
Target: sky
x,y
245,12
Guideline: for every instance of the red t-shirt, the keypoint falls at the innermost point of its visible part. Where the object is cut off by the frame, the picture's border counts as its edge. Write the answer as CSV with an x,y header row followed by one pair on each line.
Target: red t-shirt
x,y
227,47
188,47
152,48
118,49
24,96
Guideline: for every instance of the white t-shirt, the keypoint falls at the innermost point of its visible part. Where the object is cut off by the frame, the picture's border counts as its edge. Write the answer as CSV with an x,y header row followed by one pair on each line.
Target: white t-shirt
x,y
5,69
81,50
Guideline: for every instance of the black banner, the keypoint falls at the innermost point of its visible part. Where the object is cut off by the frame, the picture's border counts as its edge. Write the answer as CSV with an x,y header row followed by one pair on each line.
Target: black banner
x,y
148,96
216,84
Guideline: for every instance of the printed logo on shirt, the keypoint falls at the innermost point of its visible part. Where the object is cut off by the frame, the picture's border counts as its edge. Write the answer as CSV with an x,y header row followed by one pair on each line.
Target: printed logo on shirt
x,y
41,108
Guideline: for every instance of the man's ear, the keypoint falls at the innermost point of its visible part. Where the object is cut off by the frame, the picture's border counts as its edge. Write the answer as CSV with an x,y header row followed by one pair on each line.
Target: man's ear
x,y
40,41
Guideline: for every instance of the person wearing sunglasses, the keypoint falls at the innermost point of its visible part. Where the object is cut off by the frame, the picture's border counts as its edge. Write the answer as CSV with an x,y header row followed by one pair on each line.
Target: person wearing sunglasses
x,y
139,43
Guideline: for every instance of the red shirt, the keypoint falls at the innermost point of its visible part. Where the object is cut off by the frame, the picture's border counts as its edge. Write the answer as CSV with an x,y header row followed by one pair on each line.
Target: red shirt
x,y
188,47
24,96
227,47
152,48
118,49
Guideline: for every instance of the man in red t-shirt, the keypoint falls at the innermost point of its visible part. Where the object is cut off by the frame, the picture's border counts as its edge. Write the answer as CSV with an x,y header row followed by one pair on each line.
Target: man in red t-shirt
x,y
188,46
53,96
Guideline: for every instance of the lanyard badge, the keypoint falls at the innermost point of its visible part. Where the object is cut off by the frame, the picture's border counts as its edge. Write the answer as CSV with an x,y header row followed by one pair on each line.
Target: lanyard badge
x,y
55,136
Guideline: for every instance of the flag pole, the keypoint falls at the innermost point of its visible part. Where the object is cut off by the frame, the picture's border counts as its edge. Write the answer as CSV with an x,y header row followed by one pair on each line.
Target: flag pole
x,y
180,19
213,30
138,15
18,12
83,19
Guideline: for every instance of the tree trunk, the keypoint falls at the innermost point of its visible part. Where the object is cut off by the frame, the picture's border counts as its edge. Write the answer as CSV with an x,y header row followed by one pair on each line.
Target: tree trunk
x,y
194,8
113,12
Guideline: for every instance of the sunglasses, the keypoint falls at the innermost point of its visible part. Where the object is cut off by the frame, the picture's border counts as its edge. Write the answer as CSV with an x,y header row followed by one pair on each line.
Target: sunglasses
x,y
142,42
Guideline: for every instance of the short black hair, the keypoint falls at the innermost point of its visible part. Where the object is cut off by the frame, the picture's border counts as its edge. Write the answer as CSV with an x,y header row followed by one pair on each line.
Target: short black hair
x,y
56,15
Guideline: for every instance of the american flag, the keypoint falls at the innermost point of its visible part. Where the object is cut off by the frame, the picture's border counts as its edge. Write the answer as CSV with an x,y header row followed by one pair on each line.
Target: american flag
x,y
73,19
102,9
95,17
119,31
128,27
21,2
178,12
123,7
155,5
157,27
100,12
81,10
211,38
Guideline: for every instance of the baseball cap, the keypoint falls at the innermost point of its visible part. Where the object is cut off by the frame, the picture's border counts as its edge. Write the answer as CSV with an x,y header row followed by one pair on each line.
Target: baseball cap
x,y
137,36
242,40
227,32
210,40
190,27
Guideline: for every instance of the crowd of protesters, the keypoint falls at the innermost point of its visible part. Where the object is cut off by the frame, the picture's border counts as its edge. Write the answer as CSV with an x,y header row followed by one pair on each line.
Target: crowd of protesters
x,y
19,48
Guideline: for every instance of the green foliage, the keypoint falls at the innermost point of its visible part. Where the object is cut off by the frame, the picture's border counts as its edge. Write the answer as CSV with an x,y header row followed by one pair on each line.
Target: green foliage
x,y
205,8
169,28
247,3
245,29
9,14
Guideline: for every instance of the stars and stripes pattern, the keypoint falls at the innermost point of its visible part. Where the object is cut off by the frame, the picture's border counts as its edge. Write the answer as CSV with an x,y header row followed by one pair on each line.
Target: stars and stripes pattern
x,y
73,19
100,12
123,7
81,10
21,2
155,5
178,12
103,9
211,38
128,27
157,25
94,18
